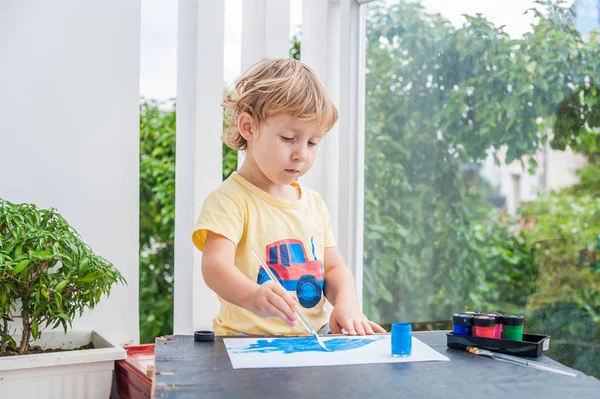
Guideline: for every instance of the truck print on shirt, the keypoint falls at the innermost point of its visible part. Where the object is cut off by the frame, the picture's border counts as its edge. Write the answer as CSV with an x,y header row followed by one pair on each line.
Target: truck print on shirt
x,y
288,261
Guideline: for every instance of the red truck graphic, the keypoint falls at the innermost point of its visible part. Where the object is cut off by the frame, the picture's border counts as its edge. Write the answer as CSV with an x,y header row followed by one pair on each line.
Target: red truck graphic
x,y
288,261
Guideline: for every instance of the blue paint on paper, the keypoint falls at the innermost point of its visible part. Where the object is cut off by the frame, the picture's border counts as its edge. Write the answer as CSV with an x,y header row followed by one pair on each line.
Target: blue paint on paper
x,y
308,344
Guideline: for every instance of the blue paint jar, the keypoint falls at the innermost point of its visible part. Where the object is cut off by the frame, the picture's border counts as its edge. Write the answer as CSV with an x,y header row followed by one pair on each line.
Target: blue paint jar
x,y
401,339
462,324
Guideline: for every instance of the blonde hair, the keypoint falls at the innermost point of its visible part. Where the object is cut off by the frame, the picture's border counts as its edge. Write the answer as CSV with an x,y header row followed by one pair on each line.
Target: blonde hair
x,y
274,86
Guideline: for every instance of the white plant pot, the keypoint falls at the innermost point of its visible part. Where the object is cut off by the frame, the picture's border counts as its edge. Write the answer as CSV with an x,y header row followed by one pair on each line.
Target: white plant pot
x,y
85,373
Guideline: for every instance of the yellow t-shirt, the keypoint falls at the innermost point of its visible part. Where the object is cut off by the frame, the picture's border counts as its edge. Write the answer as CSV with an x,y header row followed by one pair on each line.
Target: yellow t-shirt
x,y
290,236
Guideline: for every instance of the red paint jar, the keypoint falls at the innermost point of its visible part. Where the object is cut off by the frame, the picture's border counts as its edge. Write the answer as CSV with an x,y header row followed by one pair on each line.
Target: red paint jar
x,y
498,328
484,326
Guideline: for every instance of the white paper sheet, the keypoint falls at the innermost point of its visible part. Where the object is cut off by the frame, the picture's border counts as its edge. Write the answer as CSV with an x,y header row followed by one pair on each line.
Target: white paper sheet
x,y
304,351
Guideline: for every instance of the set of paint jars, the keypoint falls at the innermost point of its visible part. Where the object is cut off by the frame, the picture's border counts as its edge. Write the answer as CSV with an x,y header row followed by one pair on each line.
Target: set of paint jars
x,y
488,325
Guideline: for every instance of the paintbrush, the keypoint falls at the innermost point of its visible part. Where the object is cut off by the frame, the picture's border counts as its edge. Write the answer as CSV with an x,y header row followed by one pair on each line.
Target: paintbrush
x,y
301,317
518,360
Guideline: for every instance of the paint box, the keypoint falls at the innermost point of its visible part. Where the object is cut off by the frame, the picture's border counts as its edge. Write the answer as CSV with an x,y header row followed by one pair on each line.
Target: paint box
x,y
533,345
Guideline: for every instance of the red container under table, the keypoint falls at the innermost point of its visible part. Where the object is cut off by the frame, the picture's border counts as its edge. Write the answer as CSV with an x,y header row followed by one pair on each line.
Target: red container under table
x,y
133,376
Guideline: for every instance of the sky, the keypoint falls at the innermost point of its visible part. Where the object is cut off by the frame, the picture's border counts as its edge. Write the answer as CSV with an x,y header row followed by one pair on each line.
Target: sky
x,y
158,70
158,58
504,12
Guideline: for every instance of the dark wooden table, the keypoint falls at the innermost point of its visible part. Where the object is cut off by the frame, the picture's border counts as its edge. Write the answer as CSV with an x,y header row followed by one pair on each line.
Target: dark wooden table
x,y
188,369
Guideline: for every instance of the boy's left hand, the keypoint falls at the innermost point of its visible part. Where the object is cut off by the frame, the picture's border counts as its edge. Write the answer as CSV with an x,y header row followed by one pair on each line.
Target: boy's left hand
x,y
351,319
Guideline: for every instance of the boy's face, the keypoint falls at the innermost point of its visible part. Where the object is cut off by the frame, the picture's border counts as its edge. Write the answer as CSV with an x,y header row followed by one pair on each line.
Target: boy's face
x,y
285,148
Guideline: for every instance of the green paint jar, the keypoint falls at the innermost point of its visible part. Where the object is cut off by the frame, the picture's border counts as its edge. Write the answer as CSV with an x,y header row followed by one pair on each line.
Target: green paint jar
x,y
512,326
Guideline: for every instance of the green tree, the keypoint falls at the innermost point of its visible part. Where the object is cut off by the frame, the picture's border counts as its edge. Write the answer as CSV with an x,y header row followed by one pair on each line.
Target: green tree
x,y
157,218
438,99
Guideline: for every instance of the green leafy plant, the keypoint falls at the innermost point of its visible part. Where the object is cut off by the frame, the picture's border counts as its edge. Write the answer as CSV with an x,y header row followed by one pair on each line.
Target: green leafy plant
x,y
48,274
157,218
563,225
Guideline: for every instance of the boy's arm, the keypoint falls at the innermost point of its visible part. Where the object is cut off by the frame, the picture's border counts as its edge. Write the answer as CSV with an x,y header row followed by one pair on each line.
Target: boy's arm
x,y
221,276
340,289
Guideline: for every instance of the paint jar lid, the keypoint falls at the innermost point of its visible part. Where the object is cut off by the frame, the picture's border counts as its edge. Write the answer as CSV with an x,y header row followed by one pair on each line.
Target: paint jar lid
x,y
462,318
484,321
470,312
401,328
204,336
496,316
513,320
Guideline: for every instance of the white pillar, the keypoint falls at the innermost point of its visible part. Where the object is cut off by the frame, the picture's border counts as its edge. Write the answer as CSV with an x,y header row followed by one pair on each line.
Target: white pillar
x,y
265,33
69,132
199,160
333,45
320,46
277,28
351,177
265,30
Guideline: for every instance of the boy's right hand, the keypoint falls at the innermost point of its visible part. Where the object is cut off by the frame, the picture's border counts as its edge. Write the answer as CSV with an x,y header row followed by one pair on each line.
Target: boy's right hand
x,y
272,300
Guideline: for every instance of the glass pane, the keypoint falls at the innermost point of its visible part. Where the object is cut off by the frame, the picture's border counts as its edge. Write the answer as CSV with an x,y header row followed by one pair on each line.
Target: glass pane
x,y
482,181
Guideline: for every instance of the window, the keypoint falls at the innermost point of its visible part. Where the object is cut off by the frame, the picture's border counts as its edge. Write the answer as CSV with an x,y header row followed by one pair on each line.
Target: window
x,y
470,123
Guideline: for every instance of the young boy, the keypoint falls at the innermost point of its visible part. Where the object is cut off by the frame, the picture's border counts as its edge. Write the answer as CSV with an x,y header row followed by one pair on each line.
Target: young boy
x,y
279,114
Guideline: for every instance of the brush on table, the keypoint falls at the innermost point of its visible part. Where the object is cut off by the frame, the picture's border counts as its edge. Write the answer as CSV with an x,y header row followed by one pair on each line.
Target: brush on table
x,y
518,360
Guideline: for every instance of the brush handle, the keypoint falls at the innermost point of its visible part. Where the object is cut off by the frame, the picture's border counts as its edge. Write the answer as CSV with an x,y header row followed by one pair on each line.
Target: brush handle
x,y
523,362
533,364
305,323
268,270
